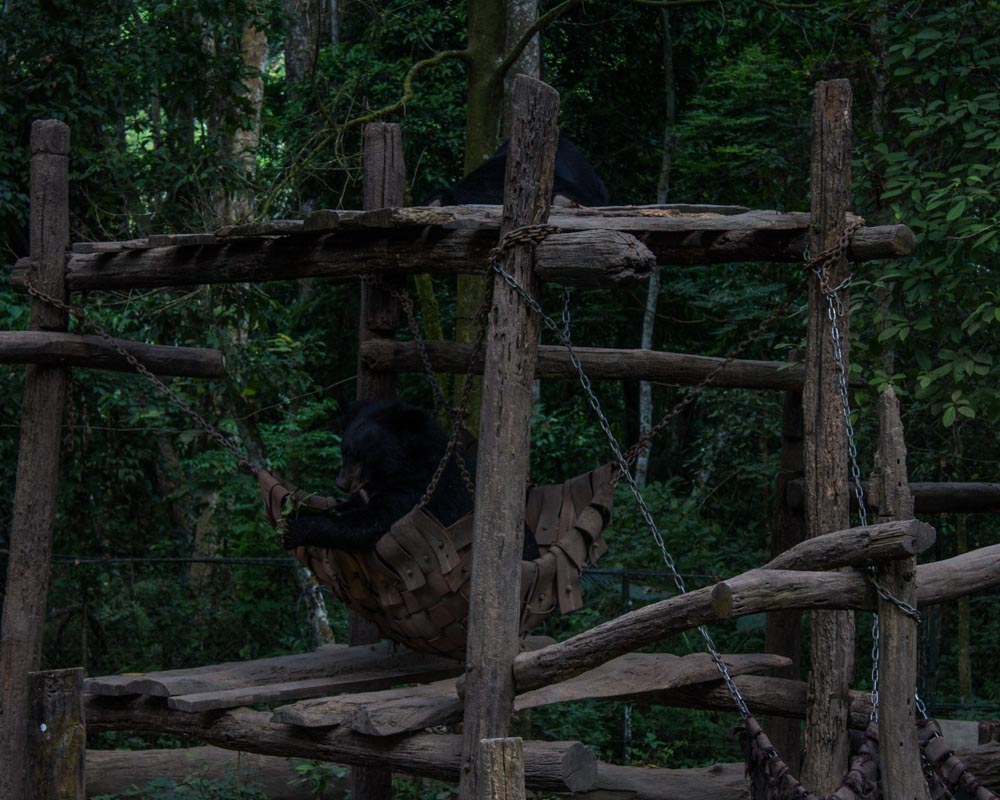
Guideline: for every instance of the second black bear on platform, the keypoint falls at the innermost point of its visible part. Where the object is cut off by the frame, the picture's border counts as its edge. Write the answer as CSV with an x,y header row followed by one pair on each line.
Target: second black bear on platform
x,y
390,452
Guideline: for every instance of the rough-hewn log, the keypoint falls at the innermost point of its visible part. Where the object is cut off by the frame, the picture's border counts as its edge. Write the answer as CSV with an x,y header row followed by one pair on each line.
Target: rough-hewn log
x,y
750,593
858,547
826,741
549,766
720,782
586,258
501,766
117,771
42,406
899,748
57,740
598,362
504,437
78,350
929,497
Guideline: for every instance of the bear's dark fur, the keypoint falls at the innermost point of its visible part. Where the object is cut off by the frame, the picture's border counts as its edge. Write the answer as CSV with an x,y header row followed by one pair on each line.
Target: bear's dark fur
x,y
390,452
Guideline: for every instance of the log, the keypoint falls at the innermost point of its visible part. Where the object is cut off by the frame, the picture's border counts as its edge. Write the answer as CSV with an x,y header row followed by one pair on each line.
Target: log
x,y
858,547
598,362
826,743
117,771
42,406
57,739
549,766
750,593
587,258
335,660
501,763
504,436
79,350
930,497
719,782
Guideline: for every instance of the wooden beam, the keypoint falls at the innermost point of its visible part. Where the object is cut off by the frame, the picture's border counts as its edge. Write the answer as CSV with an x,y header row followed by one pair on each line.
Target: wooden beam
x,y
752,592
549,766
501,763
34,506
599,363
57,736
827,744
899,747
504,436
928,497
79,350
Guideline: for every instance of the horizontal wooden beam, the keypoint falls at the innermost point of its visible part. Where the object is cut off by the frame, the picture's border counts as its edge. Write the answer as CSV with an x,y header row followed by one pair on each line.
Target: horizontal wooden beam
x,y
857,547
581,258
750,593
599,363
79,350
549,766
928,497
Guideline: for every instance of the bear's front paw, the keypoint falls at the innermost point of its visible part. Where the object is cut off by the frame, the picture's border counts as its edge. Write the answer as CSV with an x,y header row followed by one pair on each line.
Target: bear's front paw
x,y
294,535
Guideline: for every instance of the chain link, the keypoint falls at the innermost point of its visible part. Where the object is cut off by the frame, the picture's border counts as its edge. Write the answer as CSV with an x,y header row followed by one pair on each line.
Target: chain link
x,y
242,461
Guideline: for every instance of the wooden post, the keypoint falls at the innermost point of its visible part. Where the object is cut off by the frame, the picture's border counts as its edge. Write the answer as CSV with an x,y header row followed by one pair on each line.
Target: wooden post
x,y
385,182
902,776
502,468
826,468
42,408
501,764
57,735
783,632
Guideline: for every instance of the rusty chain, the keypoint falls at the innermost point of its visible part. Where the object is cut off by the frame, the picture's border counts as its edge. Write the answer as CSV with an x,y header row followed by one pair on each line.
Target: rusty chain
x,y
242,460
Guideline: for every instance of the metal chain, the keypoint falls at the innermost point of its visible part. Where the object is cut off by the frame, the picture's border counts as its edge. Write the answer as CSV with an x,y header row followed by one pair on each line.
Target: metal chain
x,y
242,460
623,466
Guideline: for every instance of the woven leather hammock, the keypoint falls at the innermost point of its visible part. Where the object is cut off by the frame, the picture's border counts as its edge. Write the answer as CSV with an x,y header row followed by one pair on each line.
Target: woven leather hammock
x,y
414,585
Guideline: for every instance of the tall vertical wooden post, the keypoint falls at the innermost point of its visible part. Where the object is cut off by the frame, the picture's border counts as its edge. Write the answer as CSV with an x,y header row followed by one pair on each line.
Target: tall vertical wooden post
x,y
385,182
502,464
42,408
826,461
783,633
902,775
57,737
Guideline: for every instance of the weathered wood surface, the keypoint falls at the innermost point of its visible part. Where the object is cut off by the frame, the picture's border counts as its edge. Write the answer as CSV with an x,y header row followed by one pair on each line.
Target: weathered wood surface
x,y
504,435
115,772
718,782
501,763
750,593
858,547
388,713
57,739
929,497
42,405
326,662
899,749
585,258
826,742
549,766
79,350
598,362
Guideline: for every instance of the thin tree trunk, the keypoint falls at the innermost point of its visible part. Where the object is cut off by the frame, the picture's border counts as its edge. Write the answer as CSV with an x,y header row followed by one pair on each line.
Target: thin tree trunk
x,y
964,619
301,41
662,191
521,15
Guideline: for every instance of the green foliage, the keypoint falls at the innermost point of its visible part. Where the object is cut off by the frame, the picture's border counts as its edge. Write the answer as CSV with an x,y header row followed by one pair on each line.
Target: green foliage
x,y
231,788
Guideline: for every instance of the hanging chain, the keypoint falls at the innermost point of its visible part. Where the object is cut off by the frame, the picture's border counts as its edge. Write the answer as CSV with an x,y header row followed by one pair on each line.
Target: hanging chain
x,y
624,472
242,461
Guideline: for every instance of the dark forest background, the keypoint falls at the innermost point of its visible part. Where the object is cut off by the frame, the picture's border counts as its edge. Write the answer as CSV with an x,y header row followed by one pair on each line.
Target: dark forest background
x,y
187,115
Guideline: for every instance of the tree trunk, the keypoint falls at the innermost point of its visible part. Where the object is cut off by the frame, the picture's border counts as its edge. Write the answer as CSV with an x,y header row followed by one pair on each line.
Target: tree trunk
x,y
301,43
521,15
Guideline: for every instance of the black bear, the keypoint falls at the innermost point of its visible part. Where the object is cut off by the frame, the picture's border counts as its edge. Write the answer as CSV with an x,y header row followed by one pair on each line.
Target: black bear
x,y
575,181
390,452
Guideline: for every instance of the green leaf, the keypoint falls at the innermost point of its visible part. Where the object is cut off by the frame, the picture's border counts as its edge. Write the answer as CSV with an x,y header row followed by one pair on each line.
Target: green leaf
x,y
956,211
949,416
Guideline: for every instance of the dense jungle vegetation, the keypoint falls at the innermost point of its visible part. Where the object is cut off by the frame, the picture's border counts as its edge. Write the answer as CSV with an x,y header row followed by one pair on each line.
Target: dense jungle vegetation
x,y
187,115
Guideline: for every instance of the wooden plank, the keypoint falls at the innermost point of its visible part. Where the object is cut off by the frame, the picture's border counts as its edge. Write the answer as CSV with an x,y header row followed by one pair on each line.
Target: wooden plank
x,y
502,460
827,744
549,766
899,747
501,762
42,406
181,239
599,363
858,547
272,693
80,350
929,497
326,662
57,740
